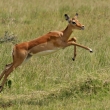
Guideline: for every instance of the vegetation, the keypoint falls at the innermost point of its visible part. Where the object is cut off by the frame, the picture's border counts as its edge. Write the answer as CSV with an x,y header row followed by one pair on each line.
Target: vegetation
x,y
55,82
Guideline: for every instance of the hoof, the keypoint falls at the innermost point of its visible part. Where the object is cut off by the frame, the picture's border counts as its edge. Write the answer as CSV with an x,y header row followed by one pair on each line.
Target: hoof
x,y
73,59
91,51
1,88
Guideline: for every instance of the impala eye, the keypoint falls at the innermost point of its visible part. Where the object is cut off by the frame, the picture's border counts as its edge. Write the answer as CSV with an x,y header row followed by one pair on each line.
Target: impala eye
x,y
73,22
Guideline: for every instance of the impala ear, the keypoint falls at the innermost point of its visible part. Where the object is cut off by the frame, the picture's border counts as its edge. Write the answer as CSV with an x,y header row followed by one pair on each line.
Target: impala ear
x,y
67,17
76,14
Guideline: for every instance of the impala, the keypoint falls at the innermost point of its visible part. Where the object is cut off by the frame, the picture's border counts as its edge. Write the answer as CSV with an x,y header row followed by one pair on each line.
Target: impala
x,y
46,44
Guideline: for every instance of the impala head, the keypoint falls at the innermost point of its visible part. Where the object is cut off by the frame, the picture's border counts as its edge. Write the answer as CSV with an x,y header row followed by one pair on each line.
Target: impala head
x,y
74,22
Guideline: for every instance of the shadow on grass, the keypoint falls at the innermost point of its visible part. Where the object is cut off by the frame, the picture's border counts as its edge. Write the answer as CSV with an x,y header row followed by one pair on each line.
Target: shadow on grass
x,y
88,87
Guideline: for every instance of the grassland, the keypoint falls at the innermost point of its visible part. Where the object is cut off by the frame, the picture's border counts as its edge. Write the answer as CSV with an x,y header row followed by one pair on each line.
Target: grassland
x,y
55,82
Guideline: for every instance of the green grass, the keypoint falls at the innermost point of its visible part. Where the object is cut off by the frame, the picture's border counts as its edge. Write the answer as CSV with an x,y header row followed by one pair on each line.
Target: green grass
x,y
55,82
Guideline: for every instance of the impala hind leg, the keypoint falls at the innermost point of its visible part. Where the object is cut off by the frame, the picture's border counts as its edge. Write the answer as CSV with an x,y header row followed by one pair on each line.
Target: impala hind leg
x,y
7,73
18,57
5,69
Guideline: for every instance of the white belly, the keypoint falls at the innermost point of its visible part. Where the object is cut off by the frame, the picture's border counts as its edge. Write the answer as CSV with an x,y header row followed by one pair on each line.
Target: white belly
x,y
46,52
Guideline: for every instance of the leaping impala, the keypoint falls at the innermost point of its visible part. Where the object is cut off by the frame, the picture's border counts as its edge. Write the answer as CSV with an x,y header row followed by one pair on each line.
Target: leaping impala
x,y
43,45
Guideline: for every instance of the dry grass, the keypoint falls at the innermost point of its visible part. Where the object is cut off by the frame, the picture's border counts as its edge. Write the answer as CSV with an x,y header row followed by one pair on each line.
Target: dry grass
x,y
55,82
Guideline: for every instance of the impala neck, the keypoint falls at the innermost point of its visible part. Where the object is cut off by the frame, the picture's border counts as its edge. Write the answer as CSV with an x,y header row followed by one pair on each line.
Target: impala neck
x,y
67,32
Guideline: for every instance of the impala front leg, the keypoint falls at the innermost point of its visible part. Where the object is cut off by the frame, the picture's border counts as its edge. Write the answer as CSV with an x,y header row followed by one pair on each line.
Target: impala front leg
x,y
69,43
73,39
